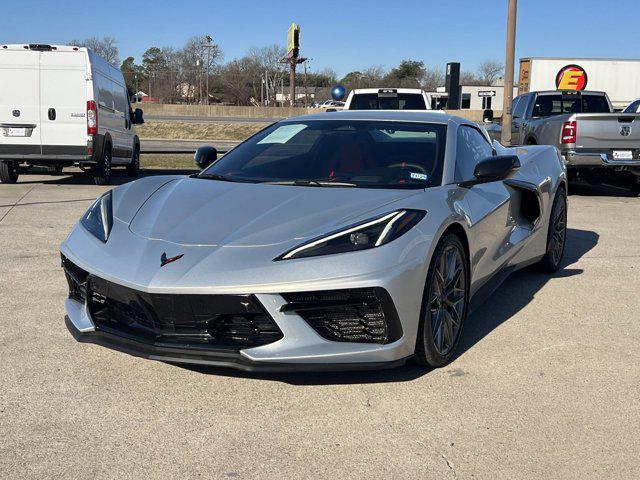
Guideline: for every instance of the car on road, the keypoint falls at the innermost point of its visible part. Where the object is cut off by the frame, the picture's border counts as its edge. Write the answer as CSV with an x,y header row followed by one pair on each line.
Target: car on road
x,y
334,104
595,142
326,241
388,99
62,106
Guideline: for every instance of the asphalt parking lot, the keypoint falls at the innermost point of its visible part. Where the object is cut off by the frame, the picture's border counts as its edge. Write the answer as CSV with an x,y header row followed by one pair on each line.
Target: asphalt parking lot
x,y
545,385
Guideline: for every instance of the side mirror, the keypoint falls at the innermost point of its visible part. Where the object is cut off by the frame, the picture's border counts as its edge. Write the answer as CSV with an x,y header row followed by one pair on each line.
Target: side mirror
x,y
496,168
487,116
205,156
137,117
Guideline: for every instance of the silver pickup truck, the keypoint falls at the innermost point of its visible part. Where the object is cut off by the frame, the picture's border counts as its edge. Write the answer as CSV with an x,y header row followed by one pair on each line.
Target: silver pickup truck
x,y
595,142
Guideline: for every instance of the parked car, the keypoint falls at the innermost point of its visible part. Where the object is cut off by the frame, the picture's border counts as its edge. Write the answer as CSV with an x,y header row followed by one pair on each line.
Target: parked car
x,y
334,104
62,106
633,107
388,99
595,142
326,241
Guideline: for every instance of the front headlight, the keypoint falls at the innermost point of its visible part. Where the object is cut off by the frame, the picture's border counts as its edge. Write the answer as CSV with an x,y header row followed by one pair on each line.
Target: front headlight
x,y
372,233
98,220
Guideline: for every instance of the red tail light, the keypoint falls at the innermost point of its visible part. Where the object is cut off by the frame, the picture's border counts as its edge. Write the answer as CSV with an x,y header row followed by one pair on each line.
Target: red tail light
x,y
92,118
569,132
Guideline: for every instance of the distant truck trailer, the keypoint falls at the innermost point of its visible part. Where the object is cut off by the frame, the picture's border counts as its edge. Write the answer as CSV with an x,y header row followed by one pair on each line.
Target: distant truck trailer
x,y
619,78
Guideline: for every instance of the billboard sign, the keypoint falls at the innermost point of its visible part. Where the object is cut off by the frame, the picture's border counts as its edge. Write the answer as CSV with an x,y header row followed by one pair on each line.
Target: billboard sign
x,y
293,41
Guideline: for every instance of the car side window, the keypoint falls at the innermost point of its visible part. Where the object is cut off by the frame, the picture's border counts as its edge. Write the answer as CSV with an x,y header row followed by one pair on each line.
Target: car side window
x,y
519,106
471,148
633,108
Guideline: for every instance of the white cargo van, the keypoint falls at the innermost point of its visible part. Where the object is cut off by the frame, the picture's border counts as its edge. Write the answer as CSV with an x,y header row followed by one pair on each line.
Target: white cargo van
x,y
62,106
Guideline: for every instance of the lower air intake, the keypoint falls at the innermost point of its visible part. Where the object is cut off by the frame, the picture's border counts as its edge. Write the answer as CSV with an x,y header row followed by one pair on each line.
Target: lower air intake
x,y
361,315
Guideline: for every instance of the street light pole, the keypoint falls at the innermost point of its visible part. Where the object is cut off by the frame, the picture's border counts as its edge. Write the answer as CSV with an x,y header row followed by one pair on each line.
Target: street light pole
x,y
505,136
208,46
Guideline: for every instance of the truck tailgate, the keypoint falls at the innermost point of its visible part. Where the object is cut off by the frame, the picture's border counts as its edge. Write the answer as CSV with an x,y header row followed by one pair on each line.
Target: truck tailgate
x,y
606,131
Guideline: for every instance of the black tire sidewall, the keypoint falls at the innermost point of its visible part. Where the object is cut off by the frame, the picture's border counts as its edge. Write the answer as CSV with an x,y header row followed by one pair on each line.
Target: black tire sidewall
x,y
8,172
102,172
548,263
426,353
133,169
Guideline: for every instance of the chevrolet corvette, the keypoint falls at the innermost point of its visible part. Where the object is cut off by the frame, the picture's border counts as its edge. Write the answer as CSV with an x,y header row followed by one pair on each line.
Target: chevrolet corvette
x,y
340,240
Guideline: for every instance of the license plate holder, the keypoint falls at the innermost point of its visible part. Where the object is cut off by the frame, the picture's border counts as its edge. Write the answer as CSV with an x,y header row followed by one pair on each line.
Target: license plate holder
x,y
16,131
623,155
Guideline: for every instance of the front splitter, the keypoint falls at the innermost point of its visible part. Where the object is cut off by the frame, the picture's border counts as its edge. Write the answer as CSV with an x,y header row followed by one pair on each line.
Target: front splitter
x,y
213,357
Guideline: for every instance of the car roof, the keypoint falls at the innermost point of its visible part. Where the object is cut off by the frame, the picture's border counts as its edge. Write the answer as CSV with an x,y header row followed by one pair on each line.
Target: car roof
x,y
426,116
357,91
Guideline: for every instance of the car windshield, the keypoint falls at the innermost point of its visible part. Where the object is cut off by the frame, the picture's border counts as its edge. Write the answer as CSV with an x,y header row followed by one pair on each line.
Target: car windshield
x,y
345,153
376,101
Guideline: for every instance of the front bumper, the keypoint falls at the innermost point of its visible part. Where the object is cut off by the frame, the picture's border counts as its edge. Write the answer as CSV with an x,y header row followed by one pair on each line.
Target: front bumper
x,y
301,347
210,358
577,159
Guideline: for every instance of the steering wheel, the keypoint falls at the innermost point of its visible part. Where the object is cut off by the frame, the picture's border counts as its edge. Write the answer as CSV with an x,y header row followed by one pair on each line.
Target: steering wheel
x,y
405,165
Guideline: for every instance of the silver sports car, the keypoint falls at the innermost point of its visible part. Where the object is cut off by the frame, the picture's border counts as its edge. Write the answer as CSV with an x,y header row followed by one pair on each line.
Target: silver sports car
x,y
352,239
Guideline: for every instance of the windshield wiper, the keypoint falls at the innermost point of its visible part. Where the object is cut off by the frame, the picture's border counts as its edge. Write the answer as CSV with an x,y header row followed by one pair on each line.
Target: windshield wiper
x,y
311,183
223,178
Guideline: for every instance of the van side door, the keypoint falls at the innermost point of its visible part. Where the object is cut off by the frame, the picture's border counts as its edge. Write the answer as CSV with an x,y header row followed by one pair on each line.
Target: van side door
x,y
63,103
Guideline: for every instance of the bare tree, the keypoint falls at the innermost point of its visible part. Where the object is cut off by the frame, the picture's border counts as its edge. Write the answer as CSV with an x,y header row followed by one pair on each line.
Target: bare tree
x,y
489,71
105,47
433,78
268,61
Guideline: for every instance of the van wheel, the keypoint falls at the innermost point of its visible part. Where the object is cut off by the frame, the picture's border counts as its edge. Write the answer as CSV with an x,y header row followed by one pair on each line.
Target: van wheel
x,y
133,169
8,172
102,171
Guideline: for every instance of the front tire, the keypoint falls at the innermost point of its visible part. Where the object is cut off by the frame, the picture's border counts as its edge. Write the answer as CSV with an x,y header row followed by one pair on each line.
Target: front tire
x,y
133,169
445,302
8,172
102,171
556,234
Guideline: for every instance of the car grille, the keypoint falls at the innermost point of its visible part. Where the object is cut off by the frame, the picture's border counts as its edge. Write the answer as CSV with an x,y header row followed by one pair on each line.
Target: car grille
x,y
76,279
174,320
363,315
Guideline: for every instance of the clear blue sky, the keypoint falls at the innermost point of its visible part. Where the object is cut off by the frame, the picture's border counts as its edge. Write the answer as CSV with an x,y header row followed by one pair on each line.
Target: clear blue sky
x,y
347,35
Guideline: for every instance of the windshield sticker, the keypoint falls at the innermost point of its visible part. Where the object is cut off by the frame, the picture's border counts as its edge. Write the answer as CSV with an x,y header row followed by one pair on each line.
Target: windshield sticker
x,y
419,176
282,134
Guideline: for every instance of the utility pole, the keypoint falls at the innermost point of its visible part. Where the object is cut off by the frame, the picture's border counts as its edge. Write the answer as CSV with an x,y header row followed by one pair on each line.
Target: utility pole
x,y
306,93
208,46
505,136
292,82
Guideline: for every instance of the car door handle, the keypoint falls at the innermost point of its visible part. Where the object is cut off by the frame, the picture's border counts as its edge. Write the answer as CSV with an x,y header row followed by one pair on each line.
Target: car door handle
x,y
52,114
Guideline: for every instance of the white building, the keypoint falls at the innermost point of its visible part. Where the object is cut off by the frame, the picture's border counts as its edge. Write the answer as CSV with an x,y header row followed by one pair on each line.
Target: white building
x,y
473,97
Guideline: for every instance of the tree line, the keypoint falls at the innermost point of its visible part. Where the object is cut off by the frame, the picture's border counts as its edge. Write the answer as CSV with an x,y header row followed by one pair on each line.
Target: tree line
x,y
179,75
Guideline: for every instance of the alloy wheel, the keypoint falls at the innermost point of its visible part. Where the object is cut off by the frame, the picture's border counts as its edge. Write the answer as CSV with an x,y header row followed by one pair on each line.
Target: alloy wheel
x,y
559,232
447,299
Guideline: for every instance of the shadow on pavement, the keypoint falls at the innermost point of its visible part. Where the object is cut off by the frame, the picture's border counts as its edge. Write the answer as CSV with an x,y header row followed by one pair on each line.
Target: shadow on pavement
x,y
621,188
511,297
118,177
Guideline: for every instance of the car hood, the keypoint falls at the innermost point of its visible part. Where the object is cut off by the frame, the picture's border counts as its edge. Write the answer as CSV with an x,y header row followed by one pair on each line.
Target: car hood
x,y
193,211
